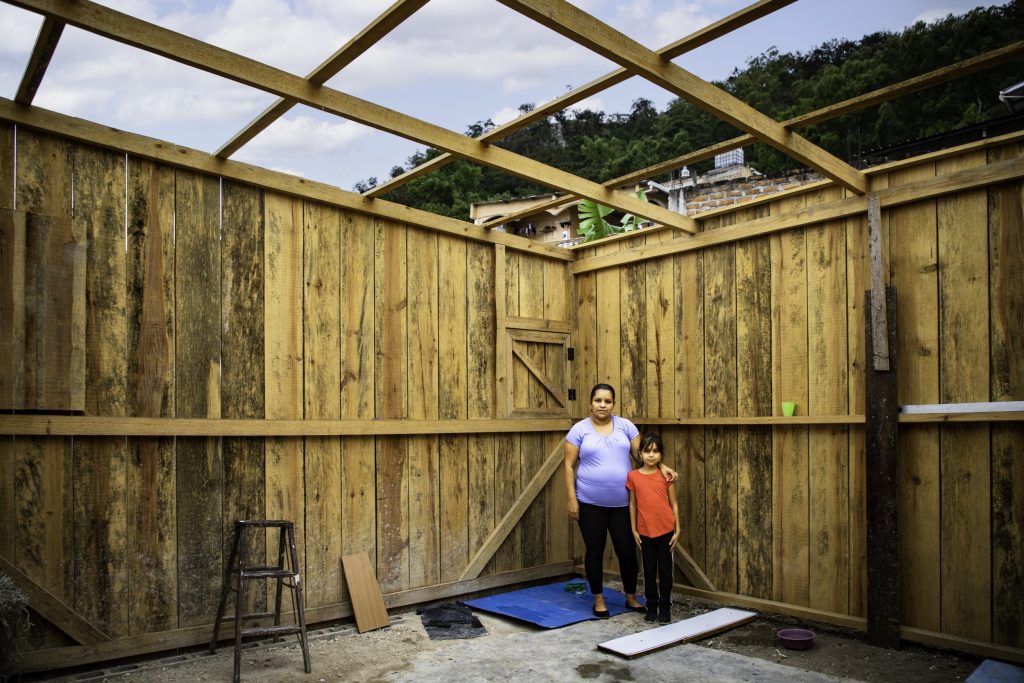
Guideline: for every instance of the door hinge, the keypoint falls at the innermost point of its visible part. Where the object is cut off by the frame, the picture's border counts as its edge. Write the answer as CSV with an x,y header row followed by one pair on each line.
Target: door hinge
x,y
572,394
572,353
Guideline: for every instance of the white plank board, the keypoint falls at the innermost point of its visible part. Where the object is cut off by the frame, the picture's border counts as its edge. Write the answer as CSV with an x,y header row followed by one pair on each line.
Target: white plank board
x,y
683,631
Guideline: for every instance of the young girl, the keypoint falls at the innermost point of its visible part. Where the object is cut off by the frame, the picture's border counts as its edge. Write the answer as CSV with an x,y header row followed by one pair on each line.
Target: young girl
x,y
654,516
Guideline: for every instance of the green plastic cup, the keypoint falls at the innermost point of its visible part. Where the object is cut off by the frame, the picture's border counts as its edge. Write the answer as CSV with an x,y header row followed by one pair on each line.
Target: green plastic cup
x,y
788,408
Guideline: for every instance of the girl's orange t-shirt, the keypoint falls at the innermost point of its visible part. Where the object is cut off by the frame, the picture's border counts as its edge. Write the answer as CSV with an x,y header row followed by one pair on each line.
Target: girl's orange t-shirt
x,y
653,511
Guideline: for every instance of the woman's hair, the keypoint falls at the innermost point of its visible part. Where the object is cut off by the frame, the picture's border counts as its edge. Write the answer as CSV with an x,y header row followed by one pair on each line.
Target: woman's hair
x,y
602,387
651,439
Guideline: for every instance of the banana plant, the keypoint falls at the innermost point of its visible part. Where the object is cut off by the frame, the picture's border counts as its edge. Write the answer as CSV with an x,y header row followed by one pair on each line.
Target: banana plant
x,y
593,225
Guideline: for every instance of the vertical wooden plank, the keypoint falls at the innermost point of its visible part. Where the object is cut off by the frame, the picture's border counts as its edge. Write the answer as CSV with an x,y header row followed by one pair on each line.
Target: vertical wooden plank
x,y
322,267
609,327
197,364
631,399
101,522
789,444
242,364
284,489
453,311
858,280
585,340
424,542
828,446
7,344
964,376
688,273
392,402
532,294
153,603
754,397
720,401
482,266
42,466
359,475
660,391
1006,263
510,288
914,264
557,295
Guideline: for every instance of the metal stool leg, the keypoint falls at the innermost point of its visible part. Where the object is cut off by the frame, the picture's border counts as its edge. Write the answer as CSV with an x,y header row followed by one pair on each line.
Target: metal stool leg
x,y
297,597
224,590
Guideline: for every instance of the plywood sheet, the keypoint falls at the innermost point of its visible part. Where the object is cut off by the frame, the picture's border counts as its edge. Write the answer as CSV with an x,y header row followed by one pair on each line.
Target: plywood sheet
x,y
367,602
683,631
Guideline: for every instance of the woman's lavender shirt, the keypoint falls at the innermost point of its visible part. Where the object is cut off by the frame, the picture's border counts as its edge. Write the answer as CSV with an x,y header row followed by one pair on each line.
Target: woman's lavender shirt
x,y
604,462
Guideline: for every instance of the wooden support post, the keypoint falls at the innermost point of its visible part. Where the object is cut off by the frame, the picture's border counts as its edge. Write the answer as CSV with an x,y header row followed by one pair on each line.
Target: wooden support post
x,y
882,419
880,346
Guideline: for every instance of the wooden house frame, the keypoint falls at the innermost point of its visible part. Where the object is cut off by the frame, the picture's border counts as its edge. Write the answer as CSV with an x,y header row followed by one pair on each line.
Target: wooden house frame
x,y
250,343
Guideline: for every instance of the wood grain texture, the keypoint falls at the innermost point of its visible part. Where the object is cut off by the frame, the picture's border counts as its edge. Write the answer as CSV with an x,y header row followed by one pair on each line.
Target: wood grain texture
x,y
197,363
914,265
322,358
720,400
242,367
284,488
660,390
1006,262
359,475
391,274
790,504
151,476
609,327
828,455
422,374
532,295
688,273
367,601
100,464
6,342
631,399
754,397
557,297
965,450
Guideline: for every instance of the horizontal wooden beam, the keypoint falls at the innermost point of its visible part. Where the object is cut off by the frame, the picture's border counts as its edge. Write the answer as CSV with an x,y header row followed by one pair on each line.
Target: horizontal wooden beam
x,y
959,181
702,36
52,659
582,28
39,60
126,29
53,609
884,94
515,512
388,20
91,133
81,425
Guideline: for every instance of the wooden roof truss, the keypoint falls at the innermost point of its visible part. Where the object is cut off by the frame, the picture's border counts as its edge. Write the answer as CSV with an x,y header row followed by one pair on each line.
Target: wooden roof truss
x,y
558,15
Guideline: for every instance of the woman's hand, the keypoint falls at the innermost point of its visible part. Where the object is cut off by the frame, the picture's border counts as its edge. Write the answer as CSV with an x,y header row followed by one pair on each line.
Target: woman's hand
x,y
672,541
636,535
667,472
574,509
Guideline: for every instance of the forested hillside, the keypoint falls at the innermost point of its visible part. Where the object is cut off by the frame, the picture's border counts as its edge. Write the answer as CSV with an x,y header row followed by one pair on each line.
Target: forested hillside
x,y
602,146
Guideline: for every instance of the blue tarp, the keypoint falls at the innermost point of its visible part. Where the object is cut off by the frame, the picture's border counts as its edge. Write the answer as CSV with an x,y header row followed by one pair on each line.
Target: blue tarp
x,y
551,605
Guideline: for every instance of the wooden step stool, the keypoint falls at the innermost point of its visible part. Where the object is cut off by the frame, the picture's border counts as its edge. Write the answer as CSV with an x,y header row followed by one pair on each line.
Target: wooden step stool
x,y
237,571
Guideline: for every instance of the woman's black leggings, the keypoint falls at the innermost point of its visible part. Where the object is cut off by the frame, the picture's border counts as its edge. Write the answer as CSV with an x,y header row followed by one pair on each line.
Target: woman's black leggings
x,y
596,523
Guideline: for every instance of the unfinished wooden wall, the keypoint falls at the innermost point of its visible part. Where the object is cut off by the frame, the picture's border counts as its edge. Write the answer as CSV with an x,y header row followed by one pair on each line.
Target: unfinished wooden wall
x,y
215,299
777,512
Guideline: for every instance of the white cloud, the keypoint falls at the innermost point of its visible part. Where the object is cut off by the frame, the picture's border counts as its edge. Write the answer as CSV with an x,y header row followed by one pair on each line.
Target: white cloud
x,y
928,16
304,135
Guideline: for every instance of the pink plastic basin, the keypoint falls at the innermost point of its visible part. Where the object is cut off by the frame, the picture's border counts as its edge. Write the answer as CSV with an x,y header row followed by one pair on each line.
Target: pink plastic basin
x,y
796,638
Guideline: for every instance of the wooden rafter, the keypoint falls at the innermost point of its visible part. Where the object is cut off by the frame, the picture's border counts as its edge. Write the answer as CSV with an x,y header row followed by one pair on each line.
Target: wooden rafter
x,y
42,53
123,28
884,94
703,36
390,19
584,29
183,157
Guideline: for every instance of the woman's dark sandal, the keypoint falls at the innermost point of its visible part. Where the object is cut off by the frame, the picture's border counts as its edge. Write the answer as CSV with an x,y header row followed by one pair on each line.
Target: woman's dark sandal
x,y
601,613
642,609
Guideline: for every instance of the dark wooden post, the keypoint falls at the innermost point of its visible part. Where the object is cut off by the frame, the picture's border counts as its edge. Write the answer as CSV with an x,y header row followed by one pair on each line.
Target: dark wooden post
x,y
882,416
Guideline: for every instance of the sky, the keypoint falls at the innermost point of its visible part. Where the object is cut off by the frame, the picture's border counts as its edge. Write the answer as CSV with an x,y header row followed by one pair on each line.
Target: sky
x,y
453,63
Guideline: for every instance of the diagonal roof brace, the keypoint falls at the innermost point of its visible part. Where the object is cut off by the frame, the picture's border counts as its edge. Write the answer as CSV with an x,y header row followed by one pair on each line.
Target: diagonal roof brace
x,y
584,29
121,27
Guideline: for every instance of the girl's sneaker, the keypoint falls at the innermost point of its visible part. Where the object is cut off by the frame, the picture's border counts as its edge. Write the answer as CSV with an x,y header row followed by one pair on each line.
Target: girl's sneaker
x,y
652,614
664,614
